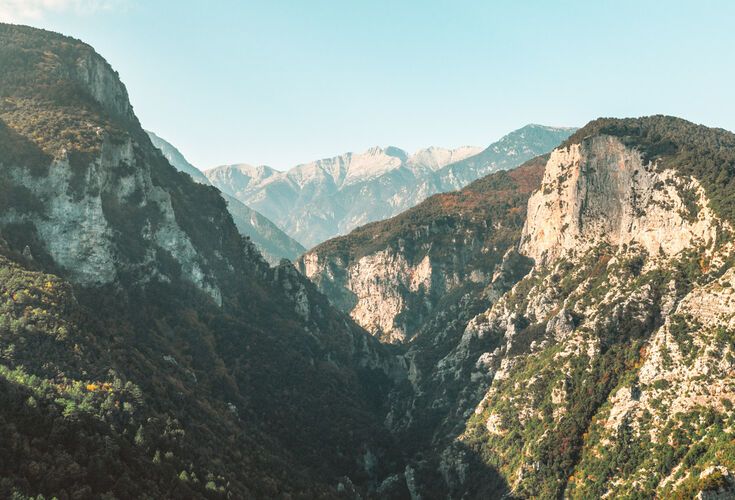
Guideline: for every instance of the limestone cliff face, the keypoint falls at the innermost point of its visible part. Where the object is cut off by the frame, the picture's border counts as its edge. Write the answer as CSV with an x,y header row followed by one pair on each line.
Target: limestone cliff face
x,y
78,224
601,191
620,336
92,195
103,84
614,347
377,289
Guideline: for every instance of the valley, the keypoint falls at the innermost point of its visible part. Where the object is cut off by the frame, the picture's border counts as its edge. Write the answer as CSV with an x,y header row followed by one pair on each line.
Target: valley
x,y
550,317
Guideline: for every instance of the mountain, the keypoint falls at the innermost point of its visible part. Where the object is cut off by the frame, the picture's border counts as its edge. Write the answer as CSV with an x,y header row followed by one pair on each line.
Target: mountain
x,y
564,329
146,348
317,201
510,151
177,160
591,355
273,243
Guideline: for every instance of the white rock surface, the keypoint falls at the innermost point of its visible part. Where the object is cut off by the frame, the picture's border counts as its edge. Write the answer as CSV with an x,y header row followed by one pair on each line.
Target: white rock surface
x,y
600,191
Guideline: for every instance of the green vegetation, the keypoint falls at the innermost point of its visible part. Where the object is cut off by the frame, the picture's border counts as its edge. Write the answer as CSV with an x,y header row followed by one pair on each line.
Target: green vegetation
x,y
145,387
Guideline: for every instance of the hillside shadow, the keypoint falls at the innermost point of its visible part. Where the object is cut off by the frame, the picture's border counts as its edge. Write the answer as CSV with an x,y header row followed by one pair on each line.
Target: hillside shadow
x,y
464,474
16,149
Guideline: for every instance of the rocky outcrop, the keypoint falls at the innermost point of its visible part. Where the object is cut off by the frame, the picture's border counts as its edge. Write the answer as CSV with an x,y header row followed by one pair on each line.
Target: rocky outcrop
x,y
378,289
77,224
104,85
601,191
623,310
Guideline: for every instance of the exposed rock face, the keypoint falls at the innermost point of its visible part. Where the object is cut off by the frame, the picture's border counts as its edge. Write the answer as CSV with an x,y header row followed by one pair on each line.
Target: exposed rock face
x,y
103,84
600,191
82,204
320,200
605,370
392,276
378,290
610,315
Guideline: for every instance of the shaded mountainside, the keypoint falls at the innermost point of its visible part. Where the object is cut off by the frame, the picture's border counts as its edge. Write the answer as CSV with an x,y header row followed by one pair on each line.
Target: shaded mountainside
x,y
317,201
273,243
146,349
603,366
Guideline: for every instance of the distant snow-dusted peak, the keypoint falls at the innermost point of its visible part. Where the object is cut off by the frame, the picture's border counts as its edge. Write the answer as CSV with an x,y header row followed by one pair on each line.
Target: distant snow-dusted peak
x,y
435,158
374,163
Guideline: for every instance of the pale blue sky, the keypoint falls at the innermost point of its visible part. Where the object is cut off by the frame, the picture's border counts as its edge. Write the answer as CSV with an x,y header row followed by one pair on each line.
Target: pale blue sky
x,y
282,82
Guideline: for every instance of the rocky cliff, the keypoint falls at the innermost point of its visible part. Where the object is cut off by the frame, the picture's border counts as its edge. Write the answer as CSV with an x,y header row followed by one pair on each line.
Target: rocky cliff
x,y
603,192
613,325
603,372
617,320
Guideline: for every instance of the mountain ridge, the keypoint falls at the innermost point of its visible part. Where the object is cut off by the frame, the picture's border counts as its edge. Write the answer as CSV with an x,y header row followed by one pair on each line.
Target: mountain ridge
x,y
318,200
273,243
143,340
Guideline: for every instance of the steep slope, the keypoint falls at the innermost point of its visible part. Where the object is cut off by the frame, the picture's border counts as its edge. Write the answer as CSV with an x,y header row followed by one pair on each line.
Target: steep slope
x,y
146,349
392,276
273,243
177,160
606,371
319,200
621,333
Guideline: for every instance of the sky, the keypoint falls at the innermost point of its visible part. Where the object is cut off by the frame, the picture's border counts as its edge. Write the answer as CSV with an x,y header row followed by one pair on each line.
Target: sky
x,y
285,82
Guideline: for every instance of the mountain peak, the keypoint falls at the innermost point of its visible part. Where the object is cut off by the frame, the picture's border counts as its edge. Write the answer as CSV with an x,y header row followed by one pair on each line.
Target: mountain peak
x,y
321,199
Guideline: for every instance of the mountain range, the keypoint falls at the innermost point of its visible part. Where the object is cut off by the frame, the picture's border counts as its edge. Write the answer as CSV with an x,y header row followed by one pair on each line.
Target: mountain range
x,y
563,329
315,201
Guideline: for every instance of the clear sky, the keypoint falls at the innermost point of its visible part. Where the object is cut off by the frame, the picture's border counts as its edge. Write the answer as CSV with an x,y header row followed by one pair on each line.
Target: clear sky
x,y
282,82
